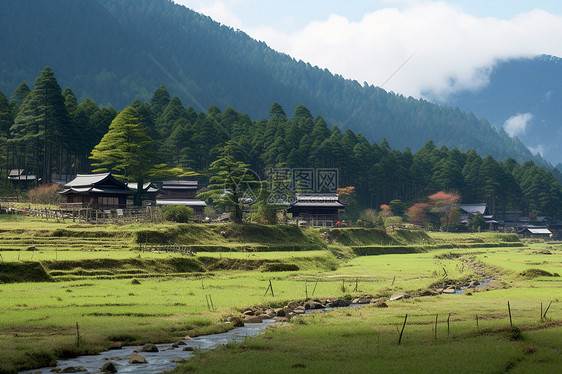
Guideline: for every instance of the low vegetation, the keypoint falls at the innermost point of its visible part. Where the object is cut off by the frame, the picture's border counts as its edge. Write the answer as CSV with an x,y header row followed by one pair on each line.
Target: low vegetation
x,y
97,277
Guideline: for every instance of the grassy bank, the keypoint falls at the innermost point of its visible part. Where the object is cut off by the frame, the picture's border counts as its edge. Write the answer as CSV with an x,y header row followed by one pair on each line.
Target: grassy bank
x,y
366,341
97,277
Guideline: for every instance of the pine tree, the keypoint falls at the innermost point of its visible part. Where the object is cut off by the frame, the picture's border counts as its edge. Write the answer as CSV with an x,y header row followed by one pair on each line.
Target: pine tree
x,y
168,120
5,124
20,94
160,98
232,183
42,127
276,110
126,150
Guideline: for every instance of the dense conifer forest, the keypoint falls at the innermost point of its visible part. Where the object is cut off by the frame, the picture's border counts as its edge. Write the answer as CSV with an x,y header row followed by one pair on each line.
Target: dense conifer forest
x,y
47,131
116,51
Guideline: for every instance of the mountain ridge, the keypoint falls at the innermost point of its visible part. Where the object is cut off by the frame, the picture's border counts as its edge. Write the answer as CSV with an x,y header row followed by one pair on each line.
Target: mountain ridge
x,y
127,48
528,85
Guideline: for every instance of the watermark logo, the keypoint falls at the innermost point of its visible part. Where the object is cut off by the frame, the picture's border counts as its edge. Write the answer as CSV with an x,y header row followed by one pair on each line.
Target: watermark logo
x,y
243,185
284,183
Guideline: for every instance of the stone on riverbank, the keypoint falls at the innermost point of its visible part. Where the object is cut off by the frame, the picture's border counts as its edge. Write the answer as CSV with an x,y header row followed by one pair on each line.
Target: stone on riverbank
x,y
149,348
135,358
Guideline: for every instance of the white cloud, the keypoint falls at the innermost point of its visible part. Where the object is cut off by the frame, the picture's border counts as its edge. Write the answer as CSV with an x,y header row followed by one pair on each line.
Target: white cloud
x,y
451,49
517,125
220,11
539,149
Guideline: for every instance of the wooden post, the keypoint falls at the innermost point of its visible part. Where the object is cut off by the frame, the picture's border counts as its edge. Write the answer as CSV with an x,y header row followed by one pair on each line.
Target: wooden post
x,y
271,287
547,308
315,284
356,284
541,312
436,316
343,285
207,299
402,331
510,320
212,305
448,326
77,335
306,290
477,323
393,279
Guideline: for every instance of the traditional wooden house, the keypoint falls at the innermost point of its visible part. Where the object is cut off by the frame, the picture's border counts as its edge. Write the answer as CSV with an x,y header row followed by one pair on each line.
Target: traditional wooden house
x,y
178,189
535,232
316,209
99,191
180,192
469,211
150,191
19,179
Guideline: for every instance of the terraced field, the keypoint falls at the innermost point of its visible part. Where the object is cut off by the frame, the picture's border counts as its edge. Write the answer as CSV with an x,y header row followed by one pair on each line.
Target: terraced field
x,y
53,275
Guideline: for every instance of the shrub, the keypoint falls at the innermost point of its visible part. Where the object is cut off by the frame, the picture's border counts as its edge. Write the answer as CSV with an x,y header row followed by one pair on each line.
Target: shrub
x,y
280,267
45,194
177,213
534,273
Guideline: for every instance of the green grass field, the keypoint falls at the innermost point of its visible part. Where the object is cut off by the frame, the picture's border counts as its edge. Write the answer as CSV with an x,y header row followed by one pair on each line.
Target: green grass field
x,y
96,277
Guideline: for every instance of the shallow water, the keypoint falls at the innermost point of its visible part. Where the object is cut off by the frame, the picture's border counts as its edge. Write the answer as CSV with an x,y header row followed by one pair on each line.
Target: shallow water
x,y
162,360
483,284
157,361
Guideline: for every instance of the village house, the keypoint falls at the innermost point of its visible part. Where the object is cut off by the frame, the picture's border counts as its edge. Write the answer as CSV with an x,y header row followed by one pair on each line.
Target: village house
x,y
19,179
149,192
180,192
535,232
469,211
98,191
316,209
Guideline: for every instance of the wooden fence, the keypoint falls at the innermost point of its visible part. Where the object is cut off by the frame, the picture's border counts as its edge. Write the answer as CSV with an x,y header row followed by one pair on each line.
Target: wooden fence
x,y
183,249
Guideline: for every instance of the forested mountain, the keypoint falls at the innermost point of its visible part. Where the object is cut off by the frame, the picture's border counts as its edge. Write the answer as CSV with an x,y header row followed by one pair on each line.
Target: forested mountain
x,y
523,86
47,131
114,51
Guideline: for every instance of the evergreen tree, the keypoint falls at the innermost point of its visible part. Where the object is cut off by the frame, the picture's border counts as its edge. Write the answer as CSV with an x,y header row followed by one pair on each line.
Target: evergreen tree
x,y
5,115
126,150
276,109
43,129
160,99
170,117
20,94
232,183
5,124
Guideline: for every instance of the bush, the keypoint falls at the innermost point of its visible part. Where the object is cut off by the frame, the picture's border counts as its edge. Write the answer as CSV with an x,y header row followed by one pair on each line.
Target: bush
x,y
177,213
45,194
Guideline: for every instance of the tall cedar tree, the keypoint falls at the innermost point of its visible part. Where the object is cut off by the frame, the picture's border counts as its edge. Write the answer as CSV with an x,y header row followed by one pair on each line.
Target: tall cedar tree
x,y
126,150
42,129
232,183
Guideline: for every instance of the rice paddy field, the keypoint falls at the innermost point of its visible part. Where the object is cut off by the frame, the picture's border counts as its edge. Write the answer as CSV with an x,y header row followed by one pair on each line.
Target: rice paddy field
x,y
121,283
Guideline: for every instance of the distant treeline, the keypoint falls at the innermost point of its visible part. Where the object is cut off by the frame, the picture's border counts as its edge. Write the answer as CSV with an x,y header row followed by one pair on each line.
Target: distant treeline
x,y
115,51
47,130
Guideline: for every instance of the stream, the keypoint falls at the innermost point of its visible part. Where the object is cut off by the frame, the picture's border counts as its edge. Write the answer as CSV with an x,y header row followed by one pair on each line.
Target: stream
x,y
483,284
162,360
157,361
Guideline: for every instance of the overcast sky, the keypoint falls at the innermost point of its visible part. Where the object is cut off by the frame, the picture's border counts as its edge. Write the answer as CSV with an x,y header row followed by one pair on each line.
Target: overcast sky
x,y
408,46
